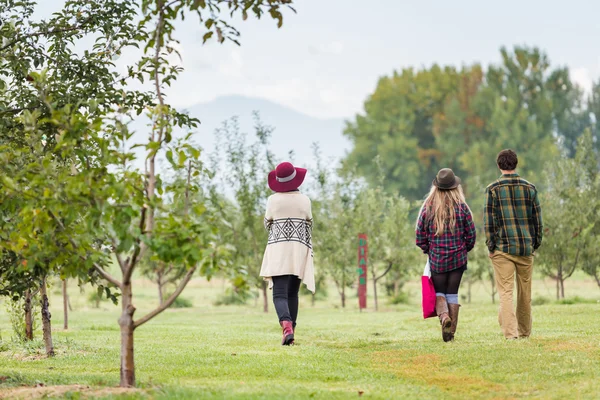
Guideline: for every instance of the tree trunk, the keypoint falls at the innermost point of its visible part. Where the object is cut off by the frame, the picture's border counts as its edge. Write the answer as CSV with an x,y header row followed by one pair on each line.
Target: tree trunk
x,y
375,293
127,328
313,300
396,288
265,297
46,317
469,285
492,279
559,278
28,316
343,296
161,295
65,304
562,289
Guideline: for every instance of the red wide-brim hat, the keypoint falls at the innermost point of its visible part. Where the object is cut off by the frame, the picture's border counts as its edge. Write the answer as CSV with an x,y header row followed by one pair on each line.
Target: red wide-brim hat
x,y
286,177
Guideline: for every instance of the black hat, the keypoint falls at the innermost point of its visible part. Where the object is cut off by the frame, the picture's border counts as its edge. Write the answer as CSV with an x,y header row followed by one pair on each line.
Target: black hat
x,y
446,179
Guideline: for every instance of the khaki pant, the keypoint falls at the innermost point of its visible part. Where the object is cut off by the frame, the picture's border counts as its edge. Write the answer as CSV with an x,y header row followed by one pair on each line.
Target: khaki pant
x,y
505,266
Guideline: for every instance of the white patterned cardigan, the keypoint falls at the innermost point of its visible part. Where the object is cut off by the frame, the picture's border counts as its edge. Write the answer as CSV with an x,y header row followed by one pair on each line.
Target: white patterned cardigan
x,y
289,247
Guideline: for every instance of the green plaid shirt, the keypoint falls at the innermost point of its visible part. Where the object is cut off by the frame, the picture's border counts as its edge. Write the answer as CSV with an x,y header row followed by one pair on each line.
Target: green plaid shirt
x,y
512,217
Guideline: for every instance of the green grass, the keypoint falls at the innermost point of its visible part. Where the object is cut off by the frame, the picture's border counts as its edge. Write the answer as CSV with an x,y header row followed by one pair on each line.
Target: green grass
x,y
234,352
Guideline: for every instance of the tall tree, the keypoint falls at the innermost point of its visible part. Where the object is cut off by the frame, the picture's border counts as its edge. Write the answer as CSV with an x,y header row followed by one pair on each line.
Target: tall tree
x,y
80,195
419,122
335,240
39,72
568,216
397,126
244,166
385,219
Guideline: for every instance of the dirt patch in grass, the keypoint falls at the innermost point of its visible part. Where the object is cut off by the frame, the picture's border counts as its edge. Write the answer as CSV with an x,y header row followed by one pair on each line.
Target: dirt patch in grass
x,y
565,345
428,368
43,392
28,357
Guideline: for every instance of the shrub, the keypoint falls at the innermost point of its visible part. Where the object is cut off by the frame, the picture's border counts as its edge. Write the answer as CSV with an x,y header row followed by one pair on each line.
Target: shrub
x,y
576,300
3,345
182,302
540,301
16,314
402,298
232,297
95,299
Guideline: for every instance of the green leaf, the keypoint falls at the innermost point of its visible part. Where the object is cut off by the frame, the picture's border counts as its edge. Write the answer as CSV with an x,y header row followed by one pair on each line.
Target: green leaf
x,y
169,156
207,36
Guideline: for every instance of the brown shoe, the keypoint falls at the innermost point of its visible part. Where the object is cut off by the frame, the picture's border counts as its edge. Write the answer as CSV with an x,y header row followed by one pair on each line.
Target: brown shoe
x,y
453,310
441,309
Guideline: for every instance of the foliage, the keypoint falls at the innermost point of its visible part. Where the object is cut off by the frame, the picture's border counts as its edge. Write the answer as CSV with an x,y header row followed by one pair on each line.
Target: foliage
x,y
16,314
400,298
70,197
245,167
390,231
480,269
421,121
95,298
182,302
335,239
570,213
233,297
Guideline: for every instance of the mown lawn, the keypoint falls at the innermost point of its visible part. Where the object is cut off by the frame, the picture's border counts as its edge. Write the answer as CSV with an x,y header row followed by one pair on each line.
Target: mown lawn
x,y
234,352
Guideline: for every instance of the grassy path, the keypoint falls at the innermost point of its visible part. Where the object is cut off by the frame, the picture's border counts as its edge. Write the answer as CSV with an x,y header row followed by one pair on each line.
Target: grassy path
x,y
235,353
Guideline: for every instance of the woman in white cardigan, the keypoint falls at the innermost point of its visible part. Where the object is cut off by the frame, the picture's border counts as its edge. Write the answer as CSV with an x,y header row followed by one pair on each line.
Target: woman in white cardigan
x,y
288,258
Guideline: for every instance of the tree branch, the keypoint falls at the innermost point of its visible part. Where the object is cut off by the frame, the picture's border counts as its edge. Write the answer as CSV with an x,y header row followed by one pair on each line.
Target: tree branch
x,y
150,162
574,267
107,276
119,258
47,33
17,110
187,189
167,302
62,227
140,248
97,267
390,265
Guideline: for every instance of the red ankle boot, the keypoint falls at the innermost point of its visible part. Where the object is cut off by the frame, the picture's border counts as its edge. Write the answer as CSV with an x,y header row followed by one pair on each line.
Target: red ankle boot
x,y
288,333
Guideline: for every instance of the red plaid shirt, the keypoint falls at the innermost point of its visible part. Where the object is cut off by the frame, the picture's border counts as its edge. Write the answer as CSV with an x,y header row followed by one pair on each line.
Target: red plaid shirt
x,y
448,251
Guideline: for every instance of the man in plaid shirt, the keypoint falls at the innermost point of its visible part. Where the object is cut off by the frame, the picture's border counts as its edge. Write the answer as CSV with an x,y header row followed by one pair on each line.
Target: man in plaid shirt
x,y
513,228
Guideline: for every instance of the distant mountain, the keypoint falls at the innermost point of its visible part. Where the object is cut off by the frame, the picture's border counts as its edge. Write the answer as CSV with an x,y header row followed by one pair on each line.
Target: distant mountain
x,y
293,130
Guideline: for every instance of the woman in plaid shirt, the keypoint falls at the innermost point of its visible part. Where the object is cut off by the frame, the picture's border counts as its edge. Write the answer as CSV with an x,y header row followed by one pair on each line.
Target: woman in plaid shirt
x,y
446,233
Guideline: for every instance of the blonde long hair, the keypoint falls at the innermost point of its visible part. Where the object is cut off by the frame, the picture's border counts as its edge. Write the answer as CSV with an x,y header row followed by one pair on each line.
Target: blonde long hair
x,y
440,208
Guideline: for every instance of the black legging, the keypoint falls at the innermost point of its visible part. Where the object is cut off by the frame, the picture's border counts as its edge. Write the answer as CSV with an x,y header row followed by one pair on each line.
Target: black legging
x,y
447,282
285,297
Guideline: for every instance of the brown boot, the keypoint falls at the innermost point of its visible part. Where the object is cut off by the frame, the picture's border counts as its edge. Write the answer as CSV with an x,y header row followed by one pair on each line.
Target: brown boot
x,y
453,310
441,309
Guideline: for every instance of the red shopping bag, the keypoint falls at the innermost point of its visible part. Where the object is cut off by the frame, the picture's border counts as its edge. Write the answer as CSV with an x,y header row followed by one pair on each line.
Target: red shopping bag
x,y
428,293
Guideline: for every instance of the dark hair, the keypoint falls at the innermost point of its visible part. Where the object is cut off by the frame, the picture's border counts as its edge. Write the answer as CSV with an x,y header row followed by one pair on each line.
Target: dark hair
x,y
507,160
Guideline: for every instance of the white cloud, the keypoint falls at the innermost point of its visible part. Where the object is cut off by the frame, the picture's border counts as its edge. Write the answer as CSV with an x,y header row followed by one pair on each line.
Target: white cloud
x,y
582,77
331,48
233,66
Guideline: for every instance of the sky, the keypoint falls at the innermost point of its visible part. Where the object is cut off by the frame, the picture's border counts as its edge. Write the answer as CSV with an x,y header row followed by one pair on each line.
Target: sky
x,y
327,58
